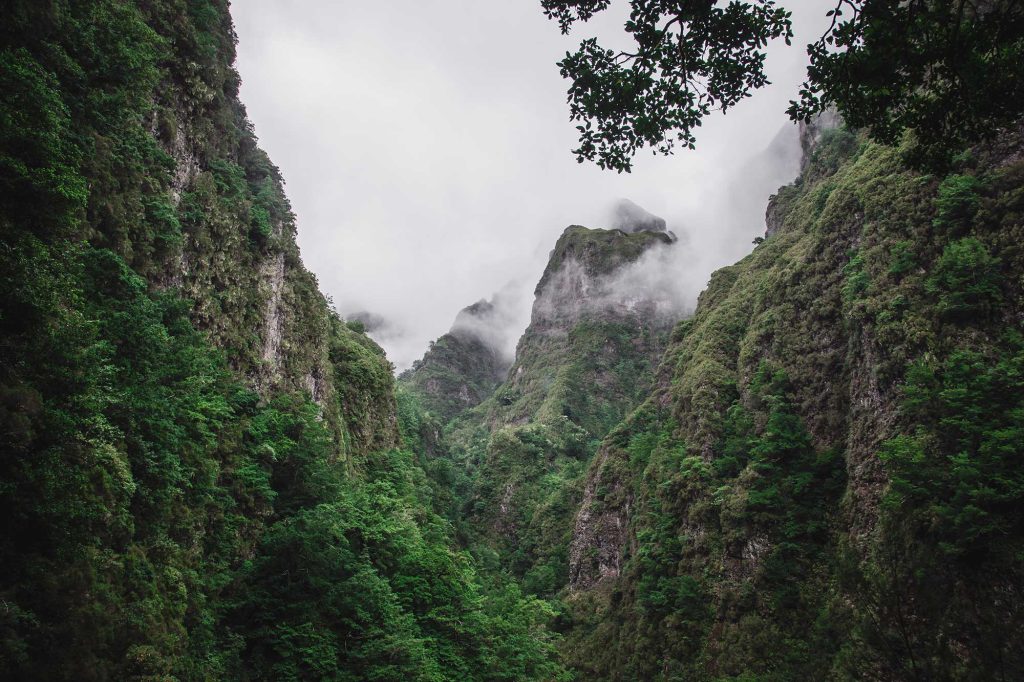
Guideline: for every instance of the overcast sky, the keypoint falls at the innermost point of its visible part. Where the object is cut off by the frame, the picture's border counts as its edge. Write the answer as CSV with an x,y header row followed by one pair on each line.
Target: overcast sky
x,y
426,149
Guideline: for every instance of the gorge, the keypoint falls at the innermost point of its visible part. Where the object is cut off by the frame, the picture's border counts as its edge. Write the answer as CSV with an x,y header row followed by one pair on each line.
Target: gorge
x,y
208,473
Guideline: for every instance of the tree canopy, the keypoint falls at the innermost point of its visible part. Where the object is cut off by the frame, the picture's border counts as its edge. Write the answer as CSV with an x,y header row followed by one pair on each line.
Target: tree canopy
x,y
950,70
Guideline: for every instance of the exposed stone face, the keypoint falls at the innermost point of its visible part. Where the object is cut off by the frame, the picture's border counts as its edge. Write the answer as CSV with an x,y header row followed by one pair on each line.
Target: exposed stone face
x,y
873,412
600,531
273,275
252,294
579,281
812,133
579,295
773,216
186,164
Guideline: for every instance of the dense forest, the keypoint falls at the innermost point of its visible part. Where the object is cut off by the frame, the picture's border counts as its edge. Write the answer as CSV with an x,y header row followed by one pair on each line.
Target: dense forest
x,y
203,475
206,473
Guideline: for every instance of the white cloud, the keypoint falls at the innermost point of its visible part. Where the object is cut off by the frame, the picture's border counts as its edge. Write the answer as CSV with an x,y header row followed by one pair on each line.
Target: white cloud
x,y
426,146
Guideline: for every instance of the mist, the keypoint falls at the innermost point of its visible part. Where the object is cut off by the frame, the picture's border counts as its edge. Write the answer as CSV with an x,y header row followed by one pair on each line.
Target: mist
x,y
497,322
427,149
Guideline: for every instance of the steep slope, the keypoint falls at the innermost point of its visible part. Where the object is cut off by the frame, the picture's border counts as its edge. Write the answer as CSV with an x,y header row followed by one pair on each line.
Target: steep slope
x,y
204,471
585,329
198,468
585,360
825,483
462,368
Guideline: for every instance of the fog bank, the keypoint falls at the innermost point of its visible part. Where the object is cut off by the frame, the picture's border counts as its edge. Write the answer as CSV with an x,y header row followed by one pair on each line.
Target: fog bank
x,y
427,152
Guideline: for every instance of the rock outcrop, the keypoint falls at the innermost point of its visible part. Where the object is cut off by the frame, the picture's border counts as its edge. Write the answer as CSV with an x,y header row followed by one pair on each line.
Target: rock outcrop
x,y
601,528
813,133
585,314
585,360
462,368
239,262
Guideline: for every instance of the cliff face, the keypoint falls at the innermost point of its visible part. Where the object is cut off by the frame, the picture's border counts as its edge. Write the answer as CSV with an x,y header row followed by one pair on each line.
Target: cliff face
x,y
234,253
587,320
172,181
584,361
462,368
199,466
800,472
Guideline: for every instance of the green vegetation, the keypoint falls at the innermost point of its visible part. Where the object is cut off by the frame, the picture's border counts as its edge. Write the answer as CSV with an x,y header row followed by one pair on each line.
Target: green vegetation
x,y
154,509
828,487
702,57
728,551
201,475
458,371
966,280
206,474
951,531
365,586
960,466
522,454
948,71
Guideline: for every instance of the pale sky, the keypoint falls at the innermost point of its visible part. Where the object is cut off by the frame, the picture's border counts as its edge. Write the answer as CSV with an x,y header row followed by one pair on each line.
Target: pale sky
x,y
426,149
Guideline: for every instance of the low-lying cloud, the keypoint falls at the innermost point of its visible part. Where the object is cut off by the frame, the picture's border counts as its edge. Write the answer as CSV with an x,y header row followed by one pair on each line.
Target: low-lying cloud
x,y
497,322
426,149
668,277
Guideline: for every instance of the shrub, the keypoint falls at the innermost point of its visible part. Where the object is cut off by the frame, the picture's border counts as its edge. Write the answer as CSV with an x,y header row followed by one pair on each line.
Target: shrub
x,y
957,201
966,279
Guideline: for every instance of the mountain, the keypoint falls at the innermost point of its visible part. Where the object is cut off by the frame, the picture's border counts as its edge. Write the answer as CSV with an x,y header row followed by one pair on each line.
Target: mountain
x,y
202,474
824,482
630,217
823,455
585,360
207,473
464,367
586,327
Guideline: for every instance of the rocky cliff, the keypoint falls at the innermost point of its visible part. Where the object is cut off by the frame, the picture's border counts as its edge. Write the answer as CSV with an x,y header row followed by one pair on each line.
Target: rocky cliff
x,y
815,466
200,465
232,236
587,324
586,358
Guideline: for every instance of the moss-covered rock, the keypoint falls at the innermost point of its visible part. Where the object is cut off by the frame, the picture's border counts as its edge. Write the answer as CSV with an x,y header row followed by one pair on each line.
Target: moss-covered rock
x,y
462,368
585,360
771,512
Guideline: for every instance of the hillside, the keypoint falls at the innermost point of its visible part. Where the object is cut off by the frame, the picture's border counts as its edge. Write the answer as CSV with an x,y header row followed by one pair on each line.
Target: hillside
x,y
206,473
462,368
830,458
513,464
201,466
825,455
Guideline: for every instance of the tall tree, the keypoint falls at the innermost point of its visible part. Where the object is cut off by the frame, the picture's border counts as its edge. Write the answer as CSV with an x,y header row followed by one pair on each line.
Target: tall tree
x,y
951,70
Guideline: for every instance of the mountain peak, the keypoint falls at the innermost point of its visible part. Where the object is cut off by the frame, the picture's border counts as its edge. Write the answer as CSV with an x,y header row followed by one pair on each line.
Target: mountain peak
x,y
631,217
